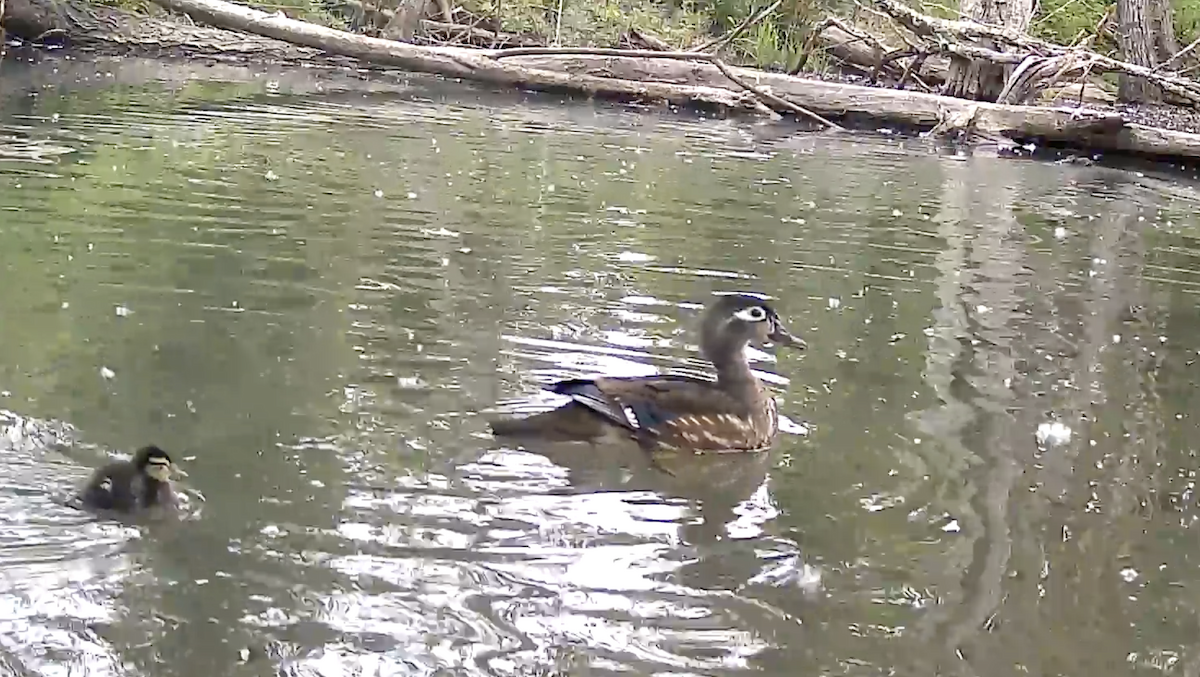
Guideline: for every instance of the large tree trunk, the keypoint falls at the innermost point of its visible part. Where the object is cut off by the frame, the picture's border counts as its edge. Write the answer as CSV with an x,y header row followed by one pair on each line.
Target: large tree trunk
x,y
1146,37
981,80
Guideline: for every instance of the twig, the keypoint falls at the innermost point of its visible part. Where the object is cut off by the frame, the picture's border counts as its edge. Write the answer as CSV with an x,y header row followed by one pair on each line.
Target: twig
x,y
926,5
466,33
1058,9
810,42
558,23
596,51
499,17
777,100
922,25
739,29
679,56
911,68
814,34
1099,29
1162,66
1083,78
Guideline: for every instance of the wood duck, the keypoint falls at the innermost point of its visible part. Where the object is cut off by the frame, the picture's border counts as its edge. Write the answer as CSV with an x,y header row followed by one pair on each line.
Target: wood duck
x,y
733,413
128,486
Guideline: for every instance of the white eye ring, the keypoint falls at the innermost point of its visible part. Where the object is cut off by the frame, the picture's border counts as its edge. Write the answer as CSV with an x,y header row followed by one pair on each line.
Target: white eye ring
x,y
751,314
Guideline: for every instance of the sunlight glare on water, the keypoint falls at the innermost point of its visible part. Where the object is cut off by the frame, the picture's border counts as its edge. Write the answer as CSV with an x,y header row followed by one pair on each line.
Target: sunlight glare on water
x,y
311,291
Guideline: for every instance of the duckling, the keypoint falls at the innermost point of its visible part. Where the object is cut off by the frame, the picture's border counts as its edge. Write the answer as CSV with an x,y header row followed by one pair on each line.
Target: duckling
x,y
733,413
127,486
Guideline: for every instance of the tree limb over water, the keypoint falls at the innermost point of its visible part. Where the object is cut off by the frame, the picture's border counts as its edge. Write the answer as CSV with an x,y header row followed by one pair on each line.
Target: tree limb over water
x,y
692,79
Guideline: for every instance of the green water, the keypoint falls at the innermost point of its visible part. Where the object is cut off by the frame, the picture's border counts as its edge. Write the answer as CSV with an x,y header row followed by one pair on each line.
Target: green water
x,y
309,286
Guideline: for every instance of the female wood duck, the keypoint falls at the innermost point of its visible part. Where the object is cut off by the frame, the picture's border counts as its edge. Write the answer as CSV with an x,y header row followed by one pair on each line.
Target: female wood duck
x,y
733,413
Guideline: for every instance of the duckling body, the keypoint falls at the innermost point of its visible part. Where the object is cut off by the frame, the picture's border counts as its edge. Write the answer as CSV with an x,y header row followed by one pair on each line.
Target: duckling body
x,y
733,413
129,486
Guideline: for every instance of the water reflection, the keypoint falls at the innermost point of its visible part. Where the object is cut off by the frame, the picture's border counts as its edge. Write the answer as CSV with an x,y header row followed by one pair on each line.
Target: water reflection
x,y
312,292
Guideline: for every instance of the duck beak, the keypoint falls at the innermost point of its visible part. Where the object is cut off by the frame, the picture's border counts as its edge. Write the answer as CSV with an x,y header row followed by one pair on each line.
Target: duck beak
x,y
159,471
780,336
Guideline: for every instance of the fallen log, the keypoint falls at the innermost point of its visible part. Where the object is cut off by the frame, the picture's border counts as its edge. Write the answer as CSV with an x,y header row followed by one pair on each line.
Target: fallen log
x,y
1099,129
1142,140
691,79
869,54
904,108
942,32
98,26
455,62
907,108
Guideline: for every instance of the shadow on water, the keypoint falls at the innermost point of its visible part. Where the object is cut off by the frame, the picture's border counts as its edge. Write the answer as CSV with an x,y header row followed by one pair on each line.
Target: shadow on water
x,y
309,291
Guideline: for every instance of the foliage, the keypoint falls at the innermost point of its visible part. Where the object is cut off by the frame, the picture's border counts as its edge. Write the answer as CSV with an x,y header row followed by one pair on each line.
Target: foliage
x,y
591,23
774,43
778,40
305,10
1062,21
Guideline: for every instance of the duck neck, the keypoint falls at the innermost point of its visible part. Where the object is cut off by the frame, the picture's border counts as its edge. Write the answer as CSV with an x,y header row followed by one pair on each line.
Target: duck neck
x,y
733,371
150,488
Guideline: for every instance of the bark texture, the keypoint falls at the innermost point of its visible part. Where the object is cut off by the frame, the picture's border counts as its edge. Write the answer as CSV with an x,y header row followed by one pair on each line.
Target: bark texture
x,y
1146,37
978,79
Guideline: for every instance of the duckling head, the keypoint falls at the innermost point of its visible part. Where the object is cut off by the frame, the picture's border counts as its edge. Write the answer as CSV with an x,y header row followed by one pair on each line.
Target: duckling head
x,y
153,463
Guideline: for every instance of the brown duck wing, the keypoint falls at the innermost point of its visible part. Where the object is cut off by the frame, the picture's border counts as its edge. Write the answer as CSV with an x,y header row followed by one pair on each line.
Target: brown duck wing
x,y
109,488
675,410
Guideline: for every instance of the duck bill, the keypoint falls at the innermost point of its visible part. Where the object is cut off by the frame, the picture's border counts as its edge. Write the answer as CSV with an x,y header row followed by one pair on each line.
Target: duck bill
x,y
780,336
159,471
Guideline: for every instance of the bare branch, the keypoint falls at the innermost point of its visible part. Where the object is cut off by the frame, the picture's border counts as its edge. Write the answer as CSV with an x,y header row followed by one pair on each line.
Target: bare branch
x,y
680,56
739,29
1160,67
918,23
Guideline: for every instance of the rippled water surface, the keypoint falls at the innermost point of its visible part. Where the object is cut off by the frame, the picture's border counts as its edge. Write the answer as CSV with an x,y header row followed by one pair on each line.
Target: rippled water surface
x,y
310,287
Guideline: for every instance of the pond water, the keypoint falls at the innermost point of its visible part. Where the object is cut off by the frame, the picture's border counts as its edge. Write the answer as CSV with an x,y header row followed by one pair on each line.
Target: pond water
x,y
309,286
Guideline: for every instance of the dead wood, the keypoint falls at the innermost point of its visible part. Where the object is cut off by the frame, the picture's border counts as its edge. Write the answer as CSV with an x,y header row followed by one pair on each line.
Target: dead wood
x,y
453,33
469,64
871,56
406,19
762,94
98,26
749,21
945,35
1085,128
645,40
682,78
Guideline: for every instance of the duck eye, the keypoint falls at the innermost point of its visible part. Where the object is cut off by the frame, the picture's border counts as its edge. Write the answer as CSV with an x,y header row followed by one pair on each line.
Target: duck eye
x,y
751,314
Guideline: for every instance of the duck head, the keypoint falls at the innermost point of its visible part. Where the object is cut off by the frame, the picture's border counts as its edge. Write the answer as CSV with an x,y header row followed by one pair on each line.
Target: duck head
x,y
153,463
735,320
